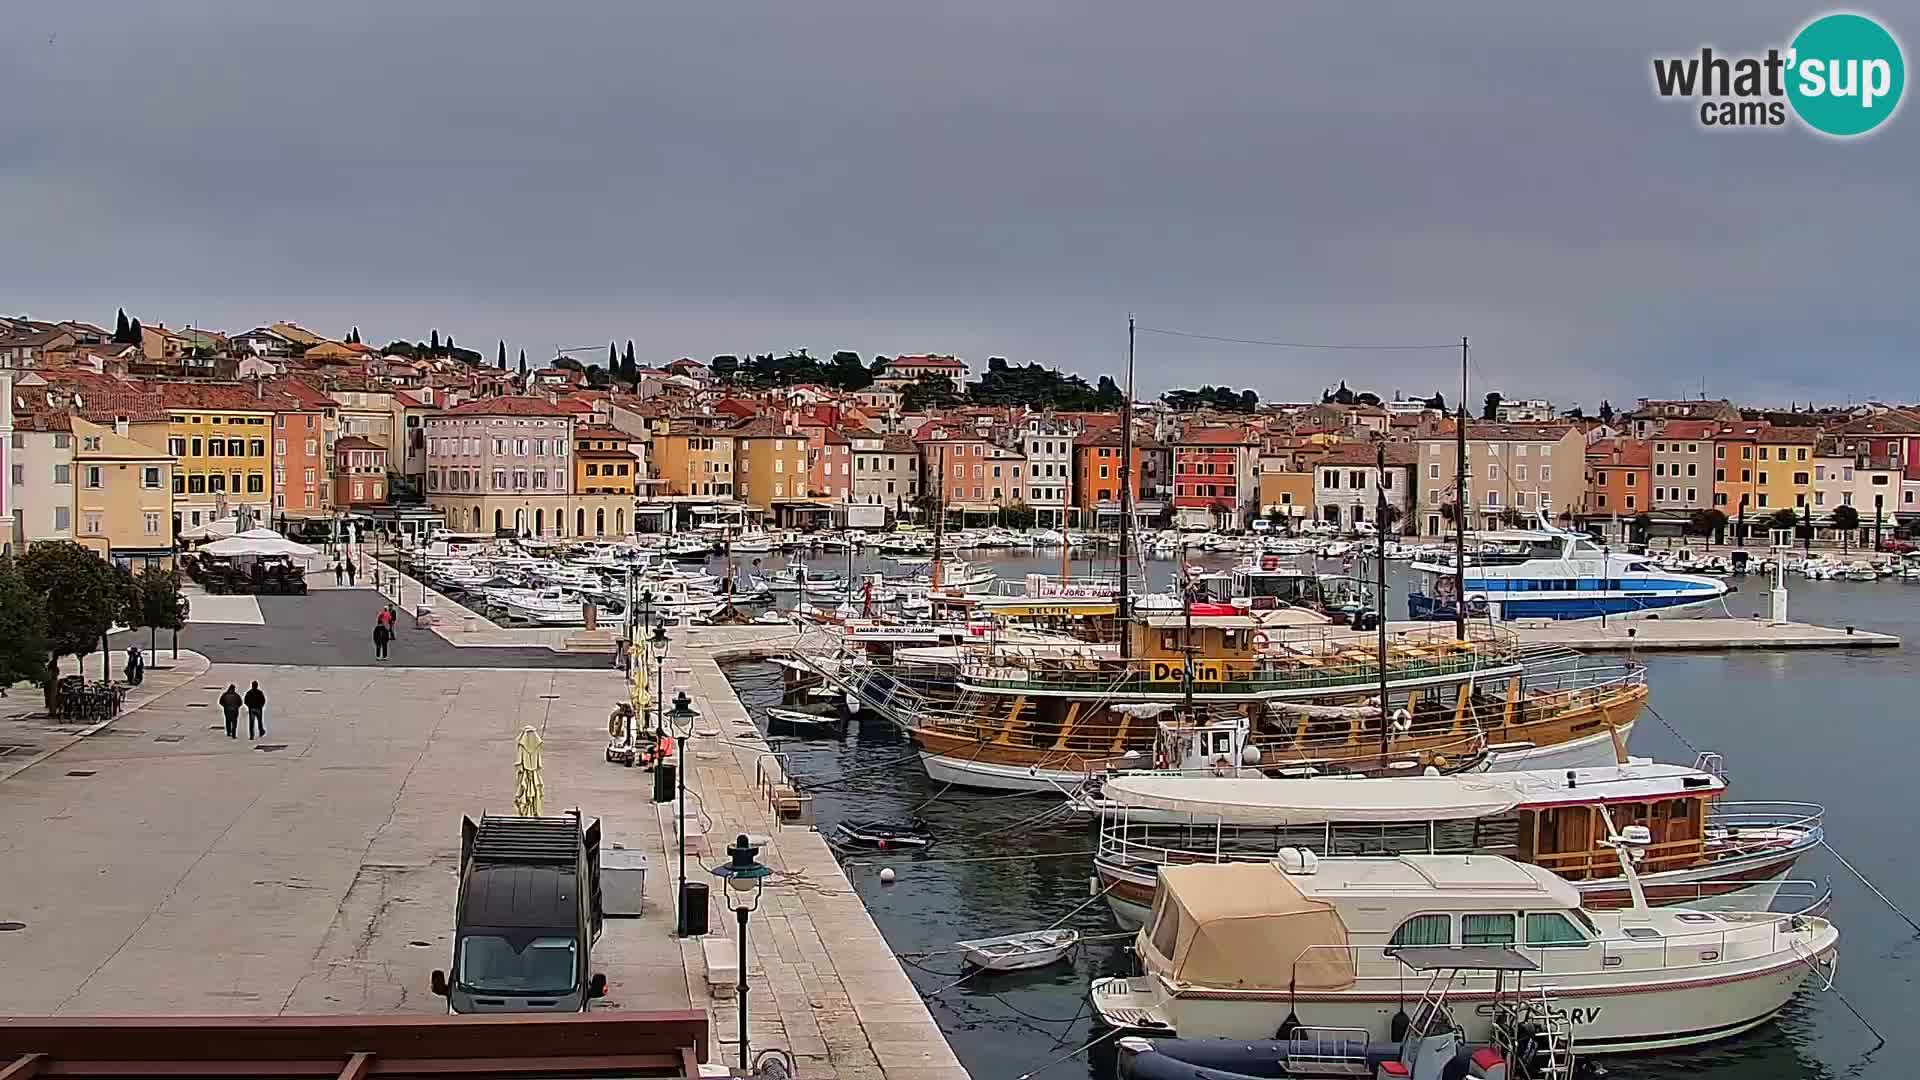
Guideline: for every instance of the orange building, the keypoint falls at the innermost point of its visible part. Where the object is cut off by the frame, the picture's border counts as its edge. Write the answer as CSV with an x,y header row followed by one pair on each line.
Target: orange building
x,y
359,472
1097,454
602,463
1619,472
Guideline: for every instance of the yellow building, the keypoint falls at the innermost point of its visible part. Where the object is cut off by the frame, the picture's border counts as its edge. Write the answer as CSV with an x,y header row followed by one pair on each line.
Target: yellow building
x,y
770,465
602,464
1288,491
122,496
1783,468
696,459
222,439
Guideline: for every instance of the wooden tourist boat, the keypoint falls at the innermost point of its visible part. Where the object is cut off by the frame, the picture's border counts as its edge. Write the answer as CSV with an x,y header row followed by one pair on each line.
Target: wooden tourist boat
x,y
1044,717
1702,851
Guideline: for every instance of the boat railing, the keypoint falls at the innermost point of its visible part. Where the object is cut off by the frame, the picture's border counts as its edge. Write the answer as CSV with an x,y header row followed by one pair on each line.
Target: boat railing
x,y
1232,677
1724,938
1758,826
1327,1051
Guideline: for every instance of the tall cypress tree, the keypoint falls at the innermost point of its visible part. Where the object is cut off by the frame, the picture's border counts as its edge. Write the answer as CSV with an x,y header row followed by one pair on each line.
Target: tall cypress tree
x,y
523,364
133,332
121,328
629,369
613,357
503,354
434,344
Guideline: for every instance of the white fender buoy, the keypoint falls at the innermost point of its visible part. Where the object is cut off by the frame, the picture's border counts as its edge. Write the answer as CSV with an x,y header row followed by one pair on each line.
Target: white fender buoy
x,y
853,703
886,875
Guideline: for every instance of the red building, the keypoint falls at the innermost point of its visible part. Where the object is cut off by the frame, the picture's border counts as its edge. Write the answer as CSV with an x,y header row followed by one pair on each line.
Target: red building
x,y
1892,436
359,472
1213,474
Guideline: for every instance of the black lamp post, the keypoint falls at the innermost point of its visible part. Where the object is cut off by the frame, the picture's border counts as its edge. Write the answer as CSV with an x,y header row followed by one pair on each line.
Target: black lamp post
x,y
745,876
657,645
683,716
1879,500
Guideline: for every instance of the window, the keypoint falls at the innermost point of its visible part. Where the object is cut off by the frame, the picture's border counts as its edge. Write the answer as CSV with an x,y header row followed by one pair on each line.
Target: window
x,y
1690,468
1493,470
175,446
93,476
1720,475
1720,452
236,448
153,523
1799,478
1629,479
62,518
257,447
1419,930
1546,472
179,484
62,440
1763,453
217,483
216,447
1551,929
1763,477
1433,470
196,485
1486,929
1520,473
256,483
63,474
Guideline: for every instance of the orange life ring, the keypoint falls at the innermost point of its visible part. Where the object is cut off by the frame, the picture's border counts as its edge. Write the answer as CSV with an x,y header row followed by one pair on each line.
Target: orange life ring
x,y
1260,639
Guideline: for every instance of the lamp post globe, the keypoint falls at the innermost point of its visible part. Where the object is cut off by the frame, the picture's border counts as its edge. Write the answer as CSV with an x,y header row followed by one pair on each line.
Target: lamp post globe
x,y
745,875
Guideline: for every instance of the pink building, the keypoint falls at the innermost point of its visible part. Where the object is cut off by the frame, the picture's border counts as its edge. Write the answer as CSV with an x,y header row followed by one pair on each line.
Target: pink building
x,y
502,464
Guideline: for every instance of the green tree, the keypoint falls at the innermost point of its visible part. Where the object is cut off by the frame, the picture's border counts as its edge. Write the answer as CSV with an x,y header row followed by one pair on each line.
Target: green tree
x,y
935,391
613,357
155,602
1642,527
23,627
1606,412
1784,518
523,365
503,354
629,367
353,336
1846,518
1390,519
1512,518
81,594
134,332
434,342
1490,408
724,368
1017,515
1438,402
121,329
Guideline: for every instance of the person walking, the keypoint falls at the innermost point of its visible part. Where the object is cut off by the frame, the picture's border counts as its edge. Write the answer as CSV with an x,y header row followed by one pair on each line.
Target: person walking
x,y
230,704
136,666
256,701
349,573
339,573
381,636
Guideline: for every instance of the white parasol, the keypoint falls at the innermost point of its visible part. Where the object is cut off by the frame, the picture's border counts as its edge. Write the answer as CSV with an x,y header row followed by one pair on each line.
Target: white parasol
x,y
259,542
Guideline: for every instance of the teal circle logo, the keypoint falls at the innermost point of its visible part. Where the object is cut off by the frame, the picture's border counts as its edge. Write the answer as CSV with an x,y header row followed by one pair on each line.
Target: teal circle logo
x,y
1845,75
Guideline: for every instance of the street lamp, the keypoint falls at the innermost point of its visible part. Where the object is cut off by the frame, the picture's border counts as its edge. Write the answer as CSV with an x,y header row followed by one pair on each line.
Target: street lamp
x,y
657,646
745,876
682,717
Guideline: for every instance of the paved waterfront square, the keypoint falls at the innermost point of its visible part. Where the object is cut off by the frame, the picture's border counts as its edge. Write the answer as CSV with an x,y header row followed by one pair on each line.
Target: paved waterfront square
x,y
314,870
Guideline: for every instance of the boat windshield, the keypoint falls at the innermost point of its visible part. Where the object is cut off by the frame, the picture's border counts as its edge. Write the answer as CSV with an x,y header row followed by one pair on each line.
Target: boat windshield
x,y
491,964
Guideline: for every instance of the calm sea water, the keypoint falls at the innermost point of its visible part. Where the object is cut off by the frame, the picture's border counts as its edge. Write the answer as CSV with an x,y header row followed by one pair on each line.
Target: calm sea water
x,y
1815,726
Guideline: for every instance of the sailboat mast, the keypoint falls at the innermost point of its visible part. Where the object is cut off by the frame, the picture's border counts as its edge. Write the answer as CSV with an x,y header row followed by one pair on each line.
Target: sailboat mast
x,y
939,521
1460,506
1380,585
1123,609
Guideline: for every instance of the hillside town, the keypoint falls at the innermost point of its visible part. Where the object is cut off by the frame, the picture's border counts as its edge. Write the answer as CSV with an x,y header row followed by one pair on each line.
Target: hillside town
x,y
122,439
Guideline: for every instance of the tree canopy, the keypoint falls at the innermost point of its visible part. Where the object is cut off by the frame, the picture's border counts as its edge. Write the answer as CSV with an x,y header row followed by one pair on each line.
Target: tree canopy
x,y
81,594
1490,408
930,391
1212,397
1040,387
23,627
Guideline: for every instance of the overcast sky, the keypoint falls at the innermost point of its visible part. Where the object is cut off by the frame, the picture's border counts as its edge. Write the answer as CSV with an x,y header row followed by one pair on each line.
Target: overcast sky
x,y
981,178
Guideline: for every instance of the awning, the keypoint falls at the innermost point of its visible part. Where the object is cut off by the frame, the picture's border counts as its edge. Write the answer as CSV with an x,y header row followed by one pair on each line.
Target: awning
x,y
259,542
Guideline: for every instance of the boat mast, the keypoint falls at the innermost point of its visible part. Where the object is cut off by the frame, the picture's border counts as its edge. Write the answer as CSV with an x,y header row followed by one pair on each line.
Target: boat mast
x,y
1380,586
1123,609
939,521
1460,506
1186,639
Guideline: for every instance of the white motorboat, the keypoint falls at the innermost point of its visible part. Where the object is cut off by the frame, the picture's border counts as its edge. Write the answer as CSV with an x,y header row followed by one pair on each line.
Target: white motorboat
x,y
1019,952
1551,573
1241,950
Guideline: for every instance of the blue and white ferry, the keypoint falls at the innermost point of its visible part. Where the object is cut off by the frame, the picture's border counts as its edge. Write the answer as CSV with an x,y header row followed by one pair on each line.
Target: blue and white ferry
x,y
1549,573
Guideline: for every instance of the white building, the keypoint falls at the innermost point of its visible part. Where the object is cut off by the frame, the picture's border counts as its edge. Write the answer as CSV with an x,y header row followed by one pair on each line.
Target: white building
x,y
1049,448
1530,411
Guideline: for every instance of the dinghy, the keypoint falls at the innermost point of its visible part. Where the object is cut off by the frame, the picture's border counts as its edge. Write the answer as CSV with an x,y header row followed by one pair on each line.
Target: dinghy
x,y
881,835
799,721
1019,952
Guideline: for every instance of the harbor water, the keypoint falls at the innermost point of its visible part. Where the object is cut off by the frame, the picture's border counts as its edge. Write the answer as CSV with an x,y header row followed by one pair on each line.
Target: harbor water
x,y
1831,727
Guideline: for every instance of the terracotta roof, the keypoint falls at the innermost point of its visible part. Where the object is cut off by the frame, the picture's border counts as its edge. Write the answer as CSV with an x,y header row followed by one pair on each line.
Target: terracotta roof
x,y
1893,422
899,443
407,401
1517,432
1363,453
600,432
303,393
104,397
356,442
1686,429
925,361
509,405
1766,433
1219,436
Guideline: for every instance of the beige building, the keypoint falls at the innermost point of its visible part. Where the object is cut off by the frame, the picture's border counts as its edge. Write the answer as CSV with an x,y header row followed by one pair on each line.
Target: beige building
x,y
886,470
41,463
770,465
1524,468
1682,454
122,496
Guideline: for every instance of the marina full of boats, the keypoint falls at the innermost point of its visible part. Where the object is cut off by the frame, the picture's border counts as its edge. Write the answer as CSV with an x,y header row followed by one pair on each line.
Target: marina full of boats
x,y
1295,817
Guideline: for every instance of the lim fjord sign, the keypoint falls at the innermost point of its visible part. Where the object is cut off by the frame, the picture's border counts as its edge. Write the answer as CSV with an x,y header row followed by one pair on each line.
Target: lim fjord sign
x,y
1842,76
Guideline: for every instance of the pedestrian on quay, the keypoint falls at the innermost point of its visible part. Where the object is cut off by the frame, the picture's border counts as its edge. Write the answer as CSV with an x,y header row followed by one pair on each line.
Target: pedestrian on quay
x,y
230,704
381,637
256,701
349,573
136,666
339,573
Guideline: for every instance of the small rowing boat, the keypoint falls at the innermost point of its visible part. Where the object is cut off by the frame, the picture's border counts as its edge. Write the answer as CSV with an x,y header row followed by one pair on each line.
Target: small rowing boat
x,y
881,835
1019,952
802,722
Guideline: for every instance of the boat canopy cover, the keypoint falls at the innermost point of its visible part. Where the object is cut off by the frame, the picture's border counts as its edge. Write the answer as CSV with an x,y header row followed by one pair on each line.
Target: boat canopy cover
x,y
1246,926
1315,800
1258,800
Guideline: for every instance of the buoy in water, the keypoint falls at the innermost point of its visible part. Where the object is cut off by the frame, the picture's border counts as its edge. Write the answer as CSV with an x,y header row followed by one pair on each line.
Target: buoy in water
x,y
886,875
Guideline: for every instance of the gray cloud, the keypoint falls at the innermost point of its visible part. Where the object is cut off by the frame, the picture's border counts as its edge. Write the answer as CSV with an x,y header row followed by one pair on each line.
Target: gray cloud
x,y
989,178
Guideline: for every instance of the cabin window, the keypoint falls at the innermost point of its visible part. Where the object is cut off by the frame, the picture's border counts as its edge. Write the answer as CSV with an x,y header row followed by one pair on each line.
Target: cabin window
x,y
1496,929
1223,742
1169,641
1550,928
1166,928
1424,930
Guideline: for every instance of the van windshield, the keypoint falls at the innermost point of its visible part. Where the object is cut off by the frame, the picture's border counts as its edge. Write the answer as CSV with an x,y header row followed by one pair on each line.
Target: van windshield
x,y
532,966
